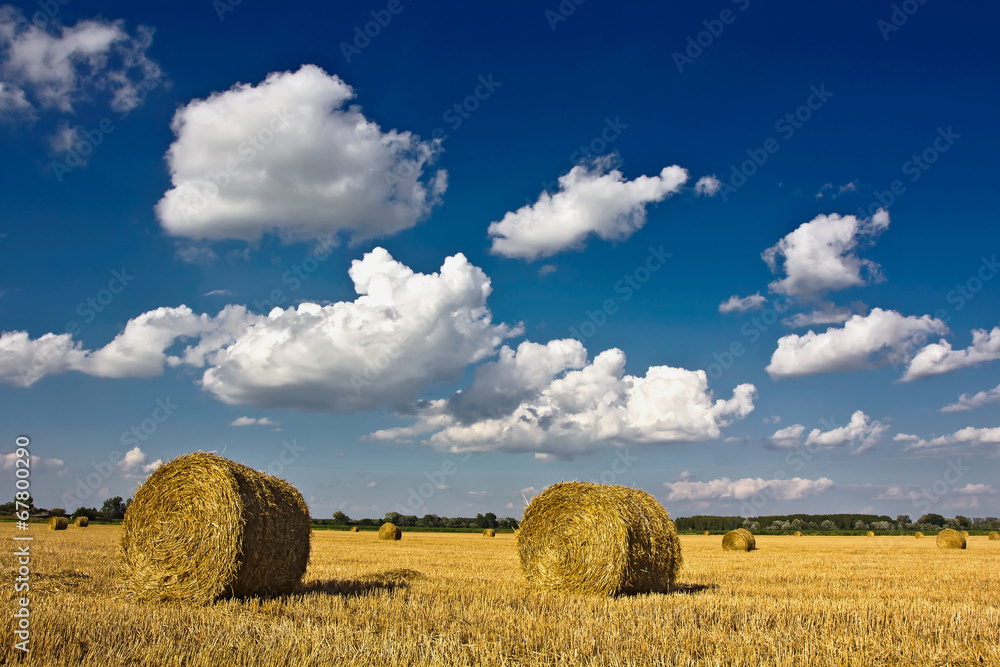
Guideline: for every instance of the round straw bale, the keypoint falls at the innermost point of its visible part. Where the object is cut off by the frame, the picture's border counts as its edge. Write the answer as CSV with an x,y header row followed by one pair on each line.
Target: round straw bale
x,y
489,532
202,526
965,533
950,539
595,539
389,531
995,535
918,535
355,529
798,533
58,523
81,521
740,539
871,533
706,533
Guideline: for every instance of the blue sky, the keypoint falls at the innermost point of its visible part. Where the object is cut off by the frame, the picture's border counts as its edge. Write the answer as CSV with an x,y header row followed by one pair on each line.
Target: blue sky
x,y
740,256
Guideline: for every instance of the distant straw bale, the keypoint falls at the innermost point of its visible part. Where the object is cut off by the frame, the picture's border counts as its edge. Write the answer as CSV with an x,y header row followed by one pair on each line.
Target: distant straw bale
x,y
798,533
355,529
81,521
489,532
202,526
389,531
918,535
596,539
706,533
995,535
871,533
950,539
58,523
740,539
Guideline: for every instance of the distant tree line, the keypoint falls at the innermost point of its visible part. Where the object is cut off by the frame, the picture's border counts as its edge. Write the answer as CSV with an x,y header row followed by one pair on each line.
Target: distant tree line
x,y
488,520
113,509
835,522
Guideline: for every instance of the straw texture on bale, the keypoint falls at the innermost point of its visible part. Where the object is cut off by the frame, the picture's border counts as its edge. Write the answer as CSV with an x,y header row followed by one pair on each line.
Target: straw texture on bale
x,y
965,533
950,539
202,526
798,533
355,529
871,533
489,532
389,531
58,523
81,521
740,539
995,535
595,539
918,535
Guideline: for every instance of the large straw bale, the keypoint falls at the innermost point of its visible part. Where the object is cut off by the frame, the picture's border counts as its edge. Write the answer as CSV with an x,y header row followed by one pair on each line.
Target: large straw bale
x,y
58,523
389,531
595,539
202,526
950,539
740,539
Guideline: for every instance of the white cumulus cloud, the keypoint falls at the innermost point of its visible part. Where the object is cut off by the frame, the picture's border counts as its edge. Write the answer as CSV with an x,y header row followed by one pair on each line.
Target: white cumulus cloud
x,y
565,407
592,199
738,304
254,421
861,431
821,255
286,157
939,357
977,400
54,67
882,336
724,488
707,186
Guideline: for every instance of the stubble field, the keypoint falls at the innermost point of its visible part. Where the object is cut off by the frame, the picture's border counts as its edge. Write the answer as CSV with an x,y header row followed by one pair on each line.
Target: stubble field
x,y
459,599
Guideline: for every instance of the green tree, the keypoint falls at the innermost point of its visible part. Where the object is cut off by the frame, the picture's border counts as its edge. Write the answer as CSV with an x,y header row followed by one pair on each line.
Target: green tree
x,y
340,519
113,508
932,519
89,512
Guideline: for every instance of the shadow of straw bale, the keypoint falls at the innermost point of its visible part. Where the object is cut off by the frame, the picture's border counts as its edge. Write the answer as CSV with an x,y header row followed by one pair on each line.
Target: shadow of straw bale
x,y
691,589
389,581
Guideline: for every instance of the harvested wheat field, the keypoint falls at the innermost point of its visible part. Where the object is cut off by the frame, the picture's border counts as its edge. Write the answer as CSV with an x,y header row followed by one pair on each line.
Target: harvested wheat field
x,y
457,599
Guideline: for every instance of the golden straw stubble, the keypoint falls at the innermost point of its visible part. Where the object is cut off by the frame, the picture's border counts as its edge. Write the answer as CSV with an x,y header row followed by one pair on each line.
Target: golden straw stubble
x,y
595,539
740,539
202,527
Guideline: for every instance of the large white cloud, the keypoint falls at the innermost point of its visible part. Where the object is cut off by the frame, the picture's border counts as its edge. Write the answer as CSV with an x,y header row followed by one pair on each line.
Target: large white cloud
x,y
861,431
977,400
724,488
579,408
405,331
58,67
882,336
286,157
939,358
821,255
592,199
951,442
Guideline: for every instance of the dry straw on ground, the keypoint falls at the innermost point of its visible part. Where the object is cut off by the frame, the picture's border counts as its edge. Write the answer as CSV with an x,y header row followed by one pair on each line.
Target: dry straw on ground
x,y
202,526
595,539
489,532
995,535
950,539
918,535
389,531
740,539
871,533
81,521
58,523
